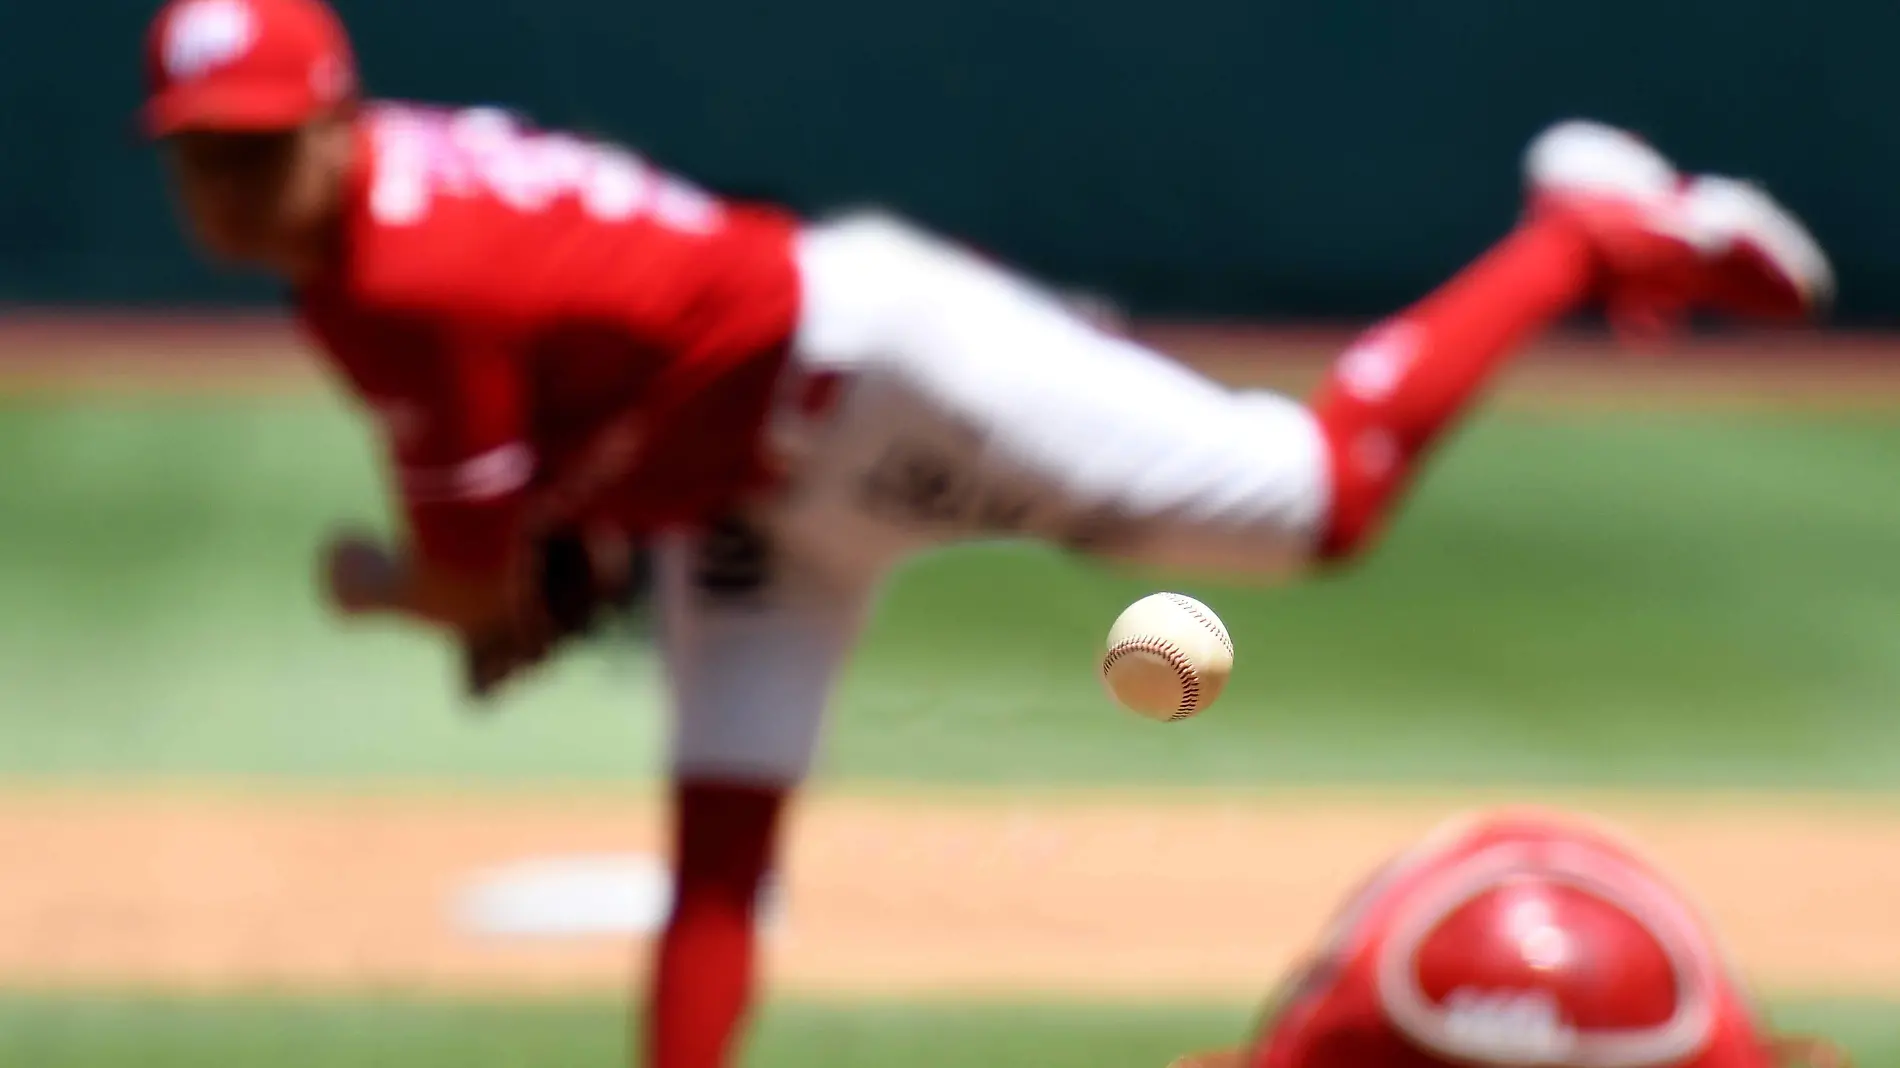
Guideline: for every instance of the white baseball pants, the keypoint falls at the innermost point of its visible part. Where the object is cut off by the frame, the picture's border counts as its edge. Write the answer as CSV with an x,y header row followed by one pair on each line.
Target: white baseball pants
x,y
974,406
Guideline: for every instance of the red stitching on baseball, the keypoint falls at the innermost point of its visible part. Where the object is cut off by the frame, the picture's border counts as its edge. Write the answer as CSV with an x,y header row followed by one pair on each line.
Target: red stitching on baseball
x,y
1167,650
1188,605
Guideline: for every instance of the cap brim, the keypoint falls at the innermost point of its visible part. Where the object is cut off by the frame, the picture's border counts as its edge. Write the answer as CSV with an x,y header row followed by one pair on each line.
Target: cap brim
x,y
228,108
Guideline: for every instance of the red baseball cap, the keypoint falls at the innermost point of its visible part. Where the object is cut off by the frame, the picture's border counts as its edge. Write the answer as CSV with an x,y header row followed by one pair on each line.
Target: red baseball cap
x,y
244,65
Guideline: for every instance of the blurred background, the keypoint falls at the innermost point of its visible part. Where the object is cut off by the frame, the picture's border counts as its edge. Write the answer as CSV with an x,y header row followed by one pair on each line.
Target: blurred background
x,y
1660,589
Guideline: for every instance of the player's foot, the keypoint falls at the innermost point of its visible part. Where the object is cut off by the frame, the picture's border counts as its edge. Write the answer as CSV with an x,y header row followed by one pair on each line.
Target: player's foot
x,y
1669,244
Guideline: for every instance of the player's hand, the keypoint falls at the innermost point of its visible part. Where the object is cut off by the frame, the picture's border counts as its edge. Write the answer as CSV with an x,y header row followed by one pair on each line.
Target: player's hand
x,y
361,576
570,589
365,578
496,641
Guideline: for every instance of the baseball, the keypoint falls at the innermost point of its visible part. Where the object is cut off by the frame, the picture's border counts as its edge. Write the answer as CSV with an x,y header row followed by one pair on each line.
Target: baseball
x,y
1168,657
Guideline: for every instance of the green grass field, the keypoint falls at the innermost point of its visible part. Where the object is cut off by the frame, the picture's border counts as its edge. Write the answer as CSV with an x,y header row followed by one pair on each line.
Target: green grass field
x,y
1651,600
1645,600
101,1033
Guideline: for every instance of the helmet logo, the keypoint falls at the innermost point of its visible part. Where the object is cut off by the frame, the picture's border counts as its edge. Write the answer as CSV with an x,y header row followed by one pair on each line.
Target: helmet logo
x,y
1524,1027
1518,1021
206,34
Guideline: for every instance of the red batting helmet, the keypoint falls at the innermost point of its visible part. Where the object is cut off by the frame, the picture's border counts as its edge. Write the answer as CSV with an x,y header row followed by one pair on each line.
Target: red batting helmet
x,y
1519,940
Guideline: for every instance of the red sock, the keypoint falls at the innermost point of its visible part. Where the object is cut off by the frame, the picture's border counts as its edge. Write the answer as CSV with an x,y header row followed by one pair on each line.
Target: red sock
x,y
1392,394
702,984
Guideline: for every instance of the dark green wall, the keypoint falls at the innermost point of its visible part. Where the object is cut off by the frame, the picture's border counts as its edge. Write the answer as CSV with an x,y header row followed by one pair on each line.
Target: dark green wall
x,y
1240,156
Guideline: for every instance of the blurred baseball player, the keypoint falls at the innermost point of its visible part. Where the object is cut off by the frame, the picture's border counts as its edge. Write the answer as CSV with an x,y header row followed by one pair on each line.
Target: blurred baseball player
x,y
1517,940
568,351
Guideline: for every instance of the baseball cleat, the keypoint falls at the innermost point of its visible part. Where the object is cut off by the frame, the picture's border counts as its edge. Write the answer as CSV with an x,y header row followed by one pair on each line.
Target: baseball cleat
x,y
1669,243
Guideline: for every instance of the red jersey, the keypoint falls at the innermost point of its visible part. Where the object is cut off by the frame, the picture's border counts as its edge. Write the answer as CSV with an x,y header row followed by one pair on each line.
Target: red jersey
x,y
545,324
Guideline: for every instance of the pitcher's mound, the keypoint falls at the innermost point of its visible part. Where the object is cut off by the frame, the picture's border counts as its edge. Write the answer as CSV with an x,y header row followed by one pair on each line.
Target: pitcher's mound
x,y
576,897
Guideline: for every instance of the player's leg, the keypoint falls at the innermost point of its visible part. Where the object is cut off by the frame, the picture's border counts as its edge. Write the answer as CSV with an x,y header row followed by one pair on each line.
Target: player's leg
x,y
981,406
752,642
1395,392
1609,219
1006,414
725,835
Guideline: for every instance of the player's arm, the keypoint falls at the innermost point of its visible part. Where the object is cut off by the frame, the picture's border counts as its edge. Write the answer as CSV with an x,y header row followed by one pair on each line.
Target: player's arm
x,y
461,465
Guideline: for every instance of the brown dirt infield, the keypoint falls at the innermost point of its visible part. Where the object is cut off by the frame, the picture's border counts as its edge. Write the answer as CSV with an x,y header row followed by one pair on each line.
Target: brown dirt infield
x,y
1154,896
109,353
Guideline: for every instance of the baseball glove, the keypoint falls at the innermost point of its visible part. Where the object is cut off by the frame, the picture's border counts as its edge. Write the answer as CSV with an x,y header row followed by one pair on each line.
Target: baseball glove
x,y
578,587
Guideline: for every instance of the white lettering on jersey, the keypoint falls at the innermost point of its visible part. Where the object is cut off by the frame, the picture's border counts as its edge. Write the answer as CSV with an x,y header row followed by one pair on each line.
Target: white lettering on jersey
x,y
484,150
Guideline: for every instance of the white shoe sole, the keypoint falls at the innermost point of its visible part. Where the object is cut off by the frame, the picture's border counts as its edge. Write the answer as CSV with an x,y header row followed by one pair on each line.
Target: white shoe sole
x,y
1745,213
1588,157
1716,213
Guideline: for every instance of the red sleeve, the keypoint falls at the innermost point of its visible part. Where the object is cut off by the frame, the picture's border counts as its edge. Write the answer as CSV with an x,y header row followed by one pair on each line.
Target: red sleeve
x,y
458,447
